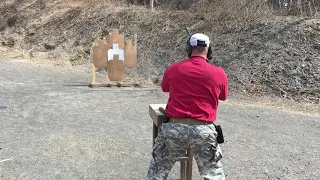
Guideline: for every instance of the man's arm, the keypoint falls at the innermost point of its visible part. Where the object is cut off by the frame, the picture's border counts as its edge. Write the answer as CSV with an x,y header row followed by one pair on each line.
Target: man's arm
x,y
224,87
164,83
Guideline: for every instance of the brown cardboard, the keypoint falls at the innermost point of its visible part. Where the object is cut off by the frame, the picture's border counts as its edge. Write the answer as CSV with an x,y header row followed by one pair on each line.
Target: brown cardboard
x,y
115,56
130,57
116,69
100,57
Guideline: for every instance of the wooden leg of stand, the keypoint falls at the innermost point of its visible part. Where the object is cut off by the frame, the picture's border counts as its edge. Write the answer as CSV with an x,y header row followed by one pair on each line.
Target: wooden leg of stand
x,y
108,80
189,165
136,68
155,133
93,74
182,170
135,76
120,83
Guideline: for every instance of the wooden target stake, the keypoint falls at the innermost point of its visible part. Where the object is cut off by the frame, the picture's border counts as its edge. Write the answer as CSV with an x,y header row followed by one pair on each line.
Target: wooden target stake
x,y
136,68
93,74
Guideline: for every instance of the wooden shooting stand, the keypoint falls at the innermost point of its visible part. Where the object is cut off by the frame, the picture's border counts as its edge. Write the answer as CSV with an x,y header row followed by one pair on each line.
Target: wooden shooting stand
x,y
186,161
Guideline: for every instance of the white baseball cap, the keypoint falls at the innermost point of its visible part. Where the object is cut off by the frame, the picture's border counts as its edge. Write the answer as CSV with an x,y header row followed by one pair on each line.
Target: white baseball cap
x,y
199,39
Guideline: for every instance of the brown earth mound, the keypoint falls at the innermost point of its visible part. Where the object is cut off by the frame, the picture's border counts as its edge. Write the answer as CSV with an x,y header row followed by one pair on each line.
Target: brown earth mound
x,y
261,53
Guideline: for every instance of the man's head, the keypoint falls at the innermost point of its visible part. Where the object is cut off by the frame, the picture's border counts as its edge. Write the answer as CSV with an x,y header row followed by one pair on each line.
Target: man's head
x,y
198,45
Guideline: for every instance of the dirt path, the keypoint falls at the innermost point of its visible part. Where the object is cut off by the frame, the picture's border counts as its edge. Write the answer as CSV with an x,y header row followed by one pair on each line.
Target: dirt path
x,y
53,128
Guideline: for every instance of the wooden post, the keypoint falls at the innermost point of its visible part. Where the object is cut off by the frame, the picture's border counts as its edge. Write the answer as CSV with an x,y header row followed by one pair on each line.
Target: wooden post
x,y
183,170
93,74
135,77
108,80
136,68
154,133
189,165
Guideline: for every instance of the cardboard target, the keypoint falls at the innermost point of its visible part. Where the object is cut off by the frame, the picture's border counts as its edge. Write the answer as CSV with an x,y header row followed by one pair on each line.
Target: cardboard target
x,y
116,69
130,56
116,55
115,37
100,57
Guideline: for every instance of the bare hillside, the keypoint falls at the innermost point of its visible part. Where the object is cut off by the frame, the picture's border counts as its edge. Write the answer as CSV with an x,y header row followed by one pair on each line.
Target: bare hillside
x,y
261,52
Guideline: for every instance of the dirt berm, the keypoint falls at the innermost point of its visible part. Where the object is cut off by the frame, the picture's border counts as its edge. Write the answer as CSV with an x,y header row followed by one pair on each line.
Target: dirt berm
x,y
261,52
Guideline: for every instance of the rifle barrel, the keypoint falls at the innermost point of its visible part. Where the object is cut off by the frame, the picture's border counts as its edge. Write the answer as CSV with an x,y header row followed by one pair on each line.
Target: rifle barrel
x,y
188,31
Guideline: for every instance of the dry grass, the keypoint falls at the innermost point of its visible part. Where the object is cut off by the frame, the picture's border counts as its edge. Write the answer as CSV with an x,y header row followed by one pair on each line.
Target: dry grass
x,y
95,3
236,27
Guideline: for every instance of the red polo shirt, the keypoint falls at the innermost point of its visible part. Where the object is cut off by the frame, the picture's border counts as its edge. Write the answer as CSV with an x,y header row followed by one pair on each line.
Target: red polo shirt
x,y
195,88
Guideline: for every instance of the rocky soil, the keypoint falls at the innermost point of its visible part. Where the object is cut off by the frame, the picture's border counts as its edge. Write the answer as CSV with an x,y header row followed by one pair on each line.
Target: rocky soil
x,y
55,127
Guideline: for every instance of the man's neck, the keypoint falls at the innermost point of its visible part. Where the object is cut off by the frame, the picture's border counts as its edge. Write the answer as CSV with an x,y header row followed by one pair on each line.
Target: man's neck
x,y
199,55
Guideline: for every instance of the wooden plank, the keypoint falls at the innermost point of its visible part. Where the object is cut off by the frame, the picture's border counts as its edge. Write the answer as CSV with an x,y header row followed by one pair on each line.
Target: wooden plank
x,y
186,158
93,85
155,114
128,85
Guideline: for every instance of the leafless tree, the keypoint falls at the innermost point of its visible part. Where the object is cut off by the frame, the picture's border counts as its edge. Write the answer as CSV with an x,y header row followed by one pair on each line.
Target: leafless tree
x,y
296,7
149,3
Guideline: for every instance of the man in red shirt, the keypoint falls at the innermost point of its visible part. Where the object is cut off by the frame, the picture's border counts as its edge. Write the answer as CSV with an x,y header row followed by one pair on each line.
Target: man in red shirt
x,y
195,88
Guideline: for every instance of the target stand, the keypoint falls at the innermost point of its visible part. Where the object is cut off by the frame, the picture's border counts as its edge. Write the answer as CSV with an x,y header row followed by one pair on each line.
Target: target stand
x,y
114,55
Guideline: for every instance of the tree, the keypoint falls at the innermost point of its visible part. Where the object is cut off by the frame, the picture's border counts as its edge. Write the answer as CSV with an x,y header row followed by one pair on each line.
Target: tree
x,y
149,3
296,7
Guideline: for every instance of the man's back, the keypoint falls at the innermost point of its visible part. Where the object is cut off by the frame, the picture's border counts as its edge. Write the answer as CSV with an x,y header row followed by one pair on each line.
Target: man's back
x,y
195,88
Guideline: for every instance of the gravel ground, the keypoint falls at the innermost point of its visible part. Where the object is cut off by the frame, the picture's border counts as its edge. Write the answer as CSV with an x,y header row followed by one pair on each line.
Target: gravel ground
x,y
56,128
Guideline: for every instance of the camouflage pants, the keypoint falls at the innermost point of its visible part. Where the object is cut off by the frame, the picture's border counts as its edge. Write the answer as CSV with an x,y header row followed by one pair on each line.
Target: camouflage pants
x,y
172,143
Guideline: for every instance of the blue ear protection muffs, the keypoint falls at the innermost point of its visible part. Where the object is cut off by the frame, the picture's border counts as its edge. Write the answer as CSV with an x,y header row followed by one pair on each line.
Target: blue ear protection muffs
x,y
201,44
